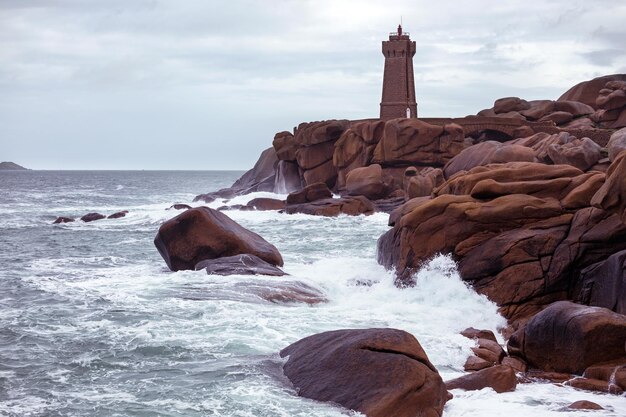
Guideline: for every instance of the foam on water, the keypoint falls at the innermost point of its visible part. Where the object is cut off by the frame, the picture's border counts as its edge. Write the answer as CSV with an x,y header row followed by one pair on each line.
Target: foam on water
x,y
93,323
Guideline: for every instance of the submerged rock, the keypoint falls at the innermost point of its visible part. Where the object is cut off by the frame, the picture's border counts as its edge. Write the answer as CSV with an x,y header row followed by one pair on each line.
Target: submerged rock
x,y
244,264
284,292
203,233
584,405
378,372
179,206
501,378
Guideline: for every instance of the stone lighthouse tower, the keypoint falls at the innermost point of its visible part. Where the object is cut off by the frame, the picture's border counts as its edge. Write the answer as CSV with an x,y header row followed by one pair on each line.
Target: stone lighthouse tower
x,y
398,85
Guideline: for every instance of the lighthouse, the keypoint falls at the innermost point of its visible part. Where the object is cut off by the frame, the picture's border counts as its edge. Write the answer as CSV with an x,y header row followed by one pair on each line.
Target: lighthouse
x,y
398,99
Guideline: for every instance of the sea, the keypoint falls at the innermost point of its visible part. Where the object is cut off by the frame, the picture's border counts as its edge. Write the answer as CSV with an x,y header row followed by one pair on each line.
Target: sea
x,y
93,323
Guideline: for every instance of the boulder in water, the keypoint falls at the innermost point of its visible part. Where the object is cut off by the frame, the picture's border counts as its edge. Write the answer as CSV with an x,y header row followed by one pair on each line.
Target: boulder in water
x,y
117,215
244,264
378,372
330,207
568,337
501,378
264,203
63,220
90,217
313,192
203,233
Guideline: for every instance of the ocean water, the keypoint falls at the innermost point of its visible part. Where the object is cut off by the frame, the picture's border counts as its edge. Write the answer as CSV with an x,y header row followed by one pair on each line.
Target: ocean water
x,y
92,323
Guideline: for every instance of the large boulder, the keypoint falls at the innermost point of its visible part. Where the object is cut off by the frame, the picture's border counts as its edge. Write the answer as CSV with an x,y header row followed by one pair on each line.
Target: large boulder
x,y
500,378
285,146
368,181
568,337
312,192
378,372
414,142
510,104
422,183
485,153
203,233
581,153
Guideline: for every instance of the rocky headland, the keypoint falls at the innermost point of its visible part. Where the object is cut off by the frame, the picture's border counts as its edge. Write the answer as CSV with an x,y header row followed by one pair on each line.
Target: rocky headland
x,y
11,166
528,197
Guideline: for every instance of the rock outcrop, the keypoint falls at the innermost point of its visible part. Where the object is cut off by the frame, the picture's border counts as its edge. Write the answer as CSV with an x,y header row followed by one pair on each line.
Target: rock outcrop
x,y
261,177
203,233
378,372
519,231
568,337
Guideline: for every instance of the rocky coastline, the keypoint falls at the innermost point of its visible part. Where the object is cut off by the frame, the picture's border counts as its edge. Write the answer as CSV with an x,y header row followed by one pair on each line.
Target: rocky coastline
x,y
532,210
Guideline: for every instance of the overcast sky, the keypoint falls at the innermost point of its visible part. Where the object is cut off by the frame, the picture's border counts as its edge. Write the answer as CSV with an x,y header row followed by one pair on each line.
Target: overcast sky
x,y
205,84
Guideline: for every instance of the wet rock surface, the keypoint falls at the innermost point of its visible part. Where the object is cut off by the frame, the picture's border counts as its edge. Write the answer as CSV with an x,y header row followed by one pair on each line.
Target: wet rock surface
x,y
378,372
244,264
203,233
568,337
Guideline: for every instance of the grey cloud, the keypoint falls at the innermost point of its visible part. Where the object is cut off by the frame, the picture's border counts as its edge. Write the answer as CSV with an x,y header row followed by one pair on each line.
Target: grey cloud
x,y
223,76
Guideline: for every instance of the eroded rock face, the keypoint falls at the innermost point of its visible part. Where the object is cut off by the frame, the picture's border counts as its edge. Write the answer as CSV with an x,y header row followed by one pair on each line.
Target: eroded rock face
x,y
244,264
203,233
260,178
412,141
604,284
587,91
378,372
520,232
568,337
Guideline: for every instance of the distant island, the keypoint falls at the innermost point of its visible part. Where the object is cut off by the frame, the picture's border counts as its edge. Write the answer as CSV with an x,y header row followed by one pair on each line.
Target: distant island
x,y
11,166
